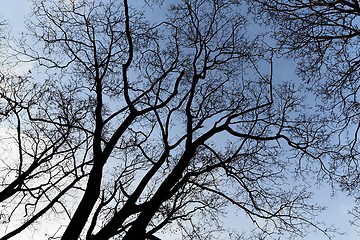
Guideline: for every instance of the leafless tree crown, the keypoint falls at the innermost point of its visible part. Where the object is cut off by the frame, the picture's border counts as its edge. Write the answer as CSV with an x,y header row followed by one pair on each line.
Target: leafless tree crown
x,y
130,127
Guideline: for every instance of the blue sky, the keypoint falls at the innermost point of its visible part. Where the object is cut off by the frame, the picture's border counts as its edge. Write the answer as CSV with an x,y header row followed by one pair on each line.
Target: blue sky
x,y
14,11
337,208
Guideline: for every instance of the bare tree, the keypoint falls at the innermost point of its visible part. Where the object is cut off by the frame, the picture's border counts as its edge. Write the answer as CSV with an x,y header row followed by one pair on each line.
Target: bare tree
x,y
135,126
35,158
323,37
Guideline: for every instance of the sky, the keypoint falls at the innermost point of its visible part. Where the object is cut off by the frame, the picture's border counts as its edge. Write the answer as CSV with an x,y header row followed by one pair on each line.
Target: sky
x,y
14,11
337,207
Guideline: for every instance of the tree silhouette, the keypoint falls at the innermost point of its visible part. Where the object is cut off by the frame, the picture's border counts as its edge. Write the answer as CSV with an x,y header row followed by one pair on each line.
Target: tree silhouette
x,y
132,126
323,37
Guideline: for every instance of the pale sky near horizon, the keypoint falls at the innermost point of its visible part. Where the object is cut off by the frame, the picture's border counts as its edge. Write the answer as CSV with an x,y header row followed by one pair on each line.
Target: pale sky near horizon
x,y
336,214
